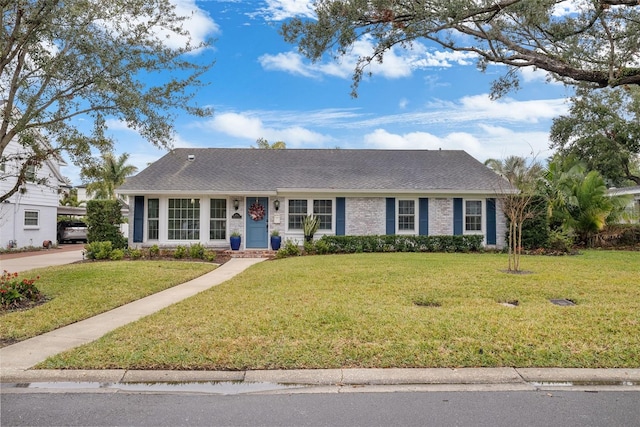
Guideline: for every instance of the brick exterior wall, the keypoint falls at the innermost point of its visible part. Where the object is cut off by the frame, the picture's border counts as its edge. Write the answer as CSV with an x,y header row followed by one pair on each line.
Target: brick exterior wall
x,y
365,215
440,216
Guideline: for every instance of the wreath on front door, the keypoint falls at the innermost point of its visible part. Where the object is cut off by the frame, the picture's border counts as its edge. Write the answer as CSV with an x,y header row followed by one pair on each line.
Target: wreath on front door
x,y
256,211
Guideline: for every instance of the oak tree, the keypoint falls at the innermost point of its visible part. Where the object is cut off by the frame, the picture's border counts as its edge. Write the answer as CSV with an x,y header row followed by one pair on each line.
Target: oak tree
x,y
594,42
602,129
64,62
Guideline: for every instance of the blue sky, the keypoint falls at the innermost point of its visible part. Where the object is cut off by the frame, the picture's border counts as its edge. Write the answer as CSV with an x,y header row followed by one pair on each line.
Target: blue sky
x,y
423,98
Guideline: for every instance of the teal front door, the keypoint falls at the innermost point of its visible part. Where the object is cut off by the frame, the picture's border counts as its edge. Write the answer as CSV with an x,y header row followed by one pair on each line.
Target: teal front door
x,y
257,226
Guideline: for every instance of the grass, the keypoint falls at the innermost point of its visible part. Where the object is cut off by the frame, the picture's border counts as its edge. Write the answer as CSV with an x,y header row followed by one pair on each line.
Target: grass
x,y
361,311
80,291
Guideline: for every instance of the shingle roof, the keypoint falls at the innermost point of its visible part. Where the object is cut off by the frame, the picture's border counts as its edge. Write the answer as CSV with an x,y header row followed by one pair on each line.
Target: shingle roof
x,y
215,170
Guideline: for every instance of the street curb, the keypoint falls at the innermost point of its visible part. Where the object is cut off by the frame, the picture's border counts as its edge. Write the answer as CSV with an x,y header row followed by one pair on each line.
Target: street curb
x,y
333,377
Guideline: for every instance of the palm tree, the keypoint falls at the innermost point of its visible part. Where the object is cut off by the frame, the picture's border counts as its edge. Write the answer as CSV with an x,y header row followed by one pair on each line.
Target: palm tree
x,y
515,170
71,199
578,199
109,175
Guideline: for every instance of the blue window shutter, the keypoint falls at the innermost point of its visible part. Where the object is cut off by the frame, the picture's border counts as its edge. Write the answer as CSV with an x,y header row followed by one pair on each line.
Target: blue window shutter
x,y
491,222
391,215
138,219
457,216
423,227
340,216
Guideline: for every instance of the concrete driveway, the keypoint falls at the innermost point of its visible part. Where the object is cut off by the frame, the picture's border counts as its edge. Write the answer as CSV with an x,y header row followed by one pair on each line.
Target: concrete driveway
x,y
23,261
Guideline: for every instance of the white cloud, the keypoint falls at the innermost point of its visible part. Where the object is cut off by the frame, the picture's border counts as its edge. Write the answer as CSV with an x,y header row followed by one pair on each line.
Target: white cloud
x,y
487,142
398,62
252,128
279,10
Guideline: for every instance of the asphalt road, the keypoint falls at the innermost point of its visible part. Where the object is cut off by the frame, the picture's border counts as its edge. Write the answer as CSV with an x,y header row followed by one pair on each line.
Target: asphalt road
x,y
513,408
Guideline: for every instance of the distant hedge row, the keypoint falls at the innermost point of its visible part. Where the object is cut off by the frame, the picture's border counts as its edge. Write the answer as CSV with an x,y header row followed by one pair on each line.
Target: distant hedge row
x,y
398,243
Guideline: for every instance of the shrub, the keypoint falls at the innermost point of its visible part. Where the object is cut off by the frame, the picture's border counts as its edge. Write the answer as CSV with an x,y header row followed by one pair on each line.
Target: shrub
x,y
288,249
399,243
154,251
196,251
210,256
560,241
99,250
180,252
14,291
309,247
135,253
103,221
116,255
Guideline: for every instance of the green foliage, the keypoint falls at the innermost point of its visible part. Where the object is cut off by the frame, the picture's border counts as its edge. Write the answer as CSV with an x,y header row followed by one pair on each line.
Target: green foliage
x,y
116,255
154,251
108,175
560,241
578,199
99,250
210,256
310,225
535,229
288,249
196,251
180,252
14,292
103,221
385,243
135,253
98,70
602,129
265,145
590,46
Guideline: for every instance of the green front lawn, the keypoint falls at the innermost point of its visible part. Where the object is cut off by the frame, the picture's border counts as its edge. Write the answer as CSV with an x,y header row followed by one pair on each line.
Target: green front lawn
x,y
360,311
79,291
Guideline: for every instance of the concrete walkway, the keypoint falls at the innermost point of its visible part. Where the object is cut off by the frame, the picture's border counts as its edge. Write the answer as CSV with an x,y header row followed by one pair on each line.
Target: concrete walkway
x,y
15,360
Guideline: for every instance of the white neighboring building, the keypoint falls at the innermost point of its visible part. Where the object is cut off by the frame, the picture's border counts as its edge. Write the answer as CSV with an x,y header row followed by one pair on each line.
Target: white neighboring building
x,y
633,208
28,218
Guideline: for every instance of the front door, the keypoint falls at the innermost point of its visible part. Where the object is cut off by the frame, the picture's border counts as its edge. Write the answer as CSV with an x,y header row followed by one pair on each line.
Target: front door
x,y
257,222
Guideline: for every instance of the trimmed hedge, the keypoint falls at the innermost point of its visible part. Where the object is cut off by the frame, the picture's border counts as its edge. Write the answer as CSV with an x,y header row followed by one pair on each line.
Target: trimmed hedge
x,y
398,243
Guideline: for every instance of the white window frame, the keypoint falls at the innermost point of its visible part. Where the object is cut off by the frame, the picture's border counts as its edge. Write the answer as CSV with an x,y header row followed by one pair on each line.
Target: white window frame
x,y
31,173
483,213
310,207
149,219
37,218
195,219
416,216
225,218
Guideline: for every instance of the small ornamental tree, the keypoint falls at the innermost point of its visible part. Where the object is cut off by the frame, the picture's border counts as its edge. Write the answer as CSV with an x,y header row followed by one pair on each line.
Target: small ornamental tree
x,y
103,221
516,200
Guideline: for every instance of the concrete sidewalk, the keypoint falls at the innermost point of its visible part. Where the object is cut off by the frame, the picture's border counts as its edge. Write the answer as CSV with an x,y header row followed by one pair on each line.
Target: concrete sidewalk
x,y
25,354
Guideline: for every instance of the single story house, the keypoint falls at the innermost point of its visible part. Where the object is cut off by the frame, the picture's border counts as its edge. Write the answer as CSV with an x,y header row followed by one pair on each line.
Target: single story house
x,y
204,195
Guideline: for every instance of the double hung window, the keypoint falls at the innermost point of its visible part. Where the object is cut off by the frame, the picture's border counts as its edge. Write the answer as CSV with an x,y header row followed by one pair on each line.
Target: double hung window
x,y
406,215
153,218
218,219
473,215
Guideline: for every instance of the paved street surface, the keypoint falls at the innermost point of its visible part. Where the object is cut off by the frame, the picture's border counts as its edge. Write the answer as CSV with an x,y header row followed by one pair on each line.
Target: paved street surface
x,y
525,408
